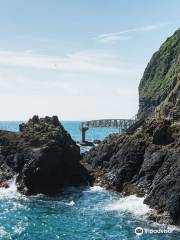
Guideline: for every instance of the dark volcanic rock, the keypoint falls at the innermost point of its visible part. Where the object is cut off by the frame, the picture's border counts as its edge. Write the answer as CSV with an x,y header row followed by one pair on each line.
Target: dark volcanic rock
x,y
43,155
120,157
163,134
165,190
147,161
96,141
8,149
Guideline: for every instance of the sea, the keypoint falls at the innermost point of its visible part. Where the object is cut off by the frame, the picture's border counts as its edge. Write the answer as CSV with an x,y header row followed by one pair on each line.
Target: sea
x,y
83,213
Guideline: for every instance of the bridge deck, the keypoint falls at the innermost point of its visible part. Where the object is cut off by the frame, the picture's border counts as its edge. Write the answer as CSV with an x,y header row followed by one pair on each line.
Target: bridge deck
x,y
108,123
121,124
128,125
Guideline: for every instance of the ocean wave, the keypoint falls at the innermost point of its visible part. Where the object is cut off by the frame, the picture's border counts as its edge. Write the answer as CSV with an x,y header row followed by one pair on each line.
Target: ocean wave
x,y
168,227
2,232
96,189
71,203
130,204
11,191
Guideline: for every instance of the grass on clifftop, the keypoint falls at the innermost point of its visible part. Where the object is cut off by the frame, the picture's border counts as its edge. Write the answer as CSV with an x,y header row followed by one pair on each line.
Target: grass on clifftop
x,y
161,73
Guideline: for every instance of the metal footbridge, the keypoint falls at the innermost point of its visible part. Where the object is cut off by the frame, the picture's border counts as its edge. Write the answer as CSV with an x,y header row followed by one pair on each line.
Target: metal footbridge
x,y
121,124
124,125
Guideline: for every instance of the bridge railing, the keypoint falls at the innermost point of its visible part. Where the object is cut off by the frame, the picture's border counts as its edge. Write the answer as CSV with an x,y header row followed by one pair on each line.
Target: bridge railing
x,y
108,123
121,124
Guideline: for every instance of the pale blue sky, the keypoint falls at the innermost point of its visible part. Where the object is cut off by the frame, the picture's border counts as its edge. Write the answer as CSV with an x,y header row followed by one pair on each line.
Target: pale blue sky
x,y
78,59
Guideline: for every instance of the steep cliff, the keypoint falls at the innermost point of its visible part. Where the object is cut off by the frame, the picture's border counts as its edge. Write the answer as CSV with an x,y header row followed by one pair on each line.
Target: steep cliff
x,y
144,163
161,78
147,160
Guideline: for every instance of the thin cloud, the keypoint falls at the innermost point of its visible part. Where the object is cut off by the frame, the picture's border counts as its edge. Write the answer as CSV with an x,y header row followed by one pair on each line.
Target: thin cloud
x,y
126,34
111,38
94,62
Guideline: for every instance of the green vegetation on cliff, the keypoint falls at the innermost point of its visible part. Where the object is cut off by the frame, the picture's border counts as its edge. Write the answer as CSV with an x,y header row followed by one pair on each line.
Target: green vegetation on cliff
x,y
161,73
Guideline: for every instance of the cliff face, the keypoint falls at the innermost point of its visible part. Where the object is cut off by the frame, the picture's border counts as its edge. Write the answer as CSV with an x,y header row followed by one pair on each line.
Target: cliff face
x,y
148,160
160,81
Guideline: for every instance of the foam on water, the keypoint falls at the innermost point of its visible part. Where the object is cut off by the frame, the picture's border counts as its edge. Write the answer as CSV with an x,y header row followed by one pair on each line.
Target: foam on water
x,y
84,213
168,227
71,203
96,189
84,207
11,191
2,232
130,204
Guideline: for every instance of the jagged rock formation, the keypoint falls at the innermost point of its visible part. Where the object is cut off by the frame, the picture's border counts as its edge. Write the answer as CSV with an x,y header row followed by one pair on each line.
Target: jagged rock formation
x,y
147,161
43,155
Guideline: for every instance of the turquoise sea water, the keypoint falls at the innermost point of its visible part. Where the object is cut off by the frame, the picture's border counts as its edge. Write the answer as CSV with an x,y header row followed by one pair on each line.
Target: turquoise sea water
x,y
87,213
73,127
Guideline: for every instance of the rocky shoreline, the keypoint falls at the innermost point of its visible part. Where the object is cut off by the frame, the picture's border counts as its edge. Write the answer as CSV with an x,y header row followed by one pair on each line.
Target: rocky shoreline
x,y
145,163
42,155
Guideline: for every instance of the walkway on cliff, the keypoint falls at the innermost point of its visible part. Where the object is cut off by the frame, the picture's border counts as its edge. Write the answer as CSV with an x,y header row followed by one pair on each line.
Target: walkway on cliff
x,y
124,125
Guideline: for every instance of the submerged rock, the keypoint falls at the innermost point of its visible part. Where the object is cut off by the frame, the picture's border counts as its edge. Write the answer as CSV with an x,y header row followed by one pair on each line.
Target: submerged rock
x,y
96,141
43,155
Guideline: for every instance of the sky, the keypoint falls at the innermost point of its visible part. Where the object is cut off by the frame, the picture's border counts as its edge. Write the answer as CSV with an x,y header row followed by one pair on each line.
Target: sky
x,y
80,60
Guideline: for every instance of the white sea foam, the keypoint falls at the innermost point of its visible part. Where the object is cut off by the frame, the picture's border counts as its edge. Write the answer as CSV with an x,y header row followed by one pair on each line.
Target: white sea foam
x,y
173,228
19,227
130,204
168,227
71,203
2,232
96,189
11,191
